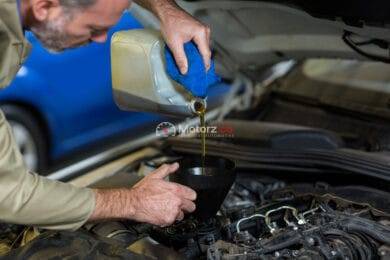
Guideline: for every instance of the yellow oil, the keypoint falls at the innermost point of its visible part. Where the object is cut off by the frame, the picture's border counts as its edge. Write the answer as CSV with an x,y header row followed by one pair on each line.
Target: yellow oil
x,y
203,136
200,111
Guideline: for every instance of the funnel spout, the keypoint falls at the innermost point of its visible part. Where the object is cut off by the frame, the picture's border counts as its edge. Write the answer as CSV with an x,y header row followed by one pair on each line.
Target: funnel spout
x,y
211,183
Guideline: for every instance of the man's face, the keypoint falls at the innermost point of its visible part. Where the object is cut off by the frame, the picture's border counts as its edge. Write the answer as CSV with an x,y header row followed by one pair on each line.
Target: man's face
x,y
70,28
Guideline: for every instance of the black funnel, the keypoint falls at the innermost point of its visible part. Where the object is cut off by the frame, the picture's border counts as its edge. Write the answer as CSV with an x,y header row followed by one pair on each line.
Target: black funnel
x,y
212,183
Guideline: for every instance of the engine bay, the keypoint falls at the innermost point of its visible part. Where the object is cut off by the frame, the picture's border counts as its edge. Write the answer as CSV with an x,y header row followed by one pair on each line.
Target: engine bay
x,y
267,218
267,214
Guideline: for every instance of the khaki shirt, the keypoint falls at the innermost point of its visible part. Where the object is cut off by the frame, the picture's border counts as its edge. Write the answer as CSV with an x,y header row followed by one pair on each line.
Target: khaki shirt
x,y
25,197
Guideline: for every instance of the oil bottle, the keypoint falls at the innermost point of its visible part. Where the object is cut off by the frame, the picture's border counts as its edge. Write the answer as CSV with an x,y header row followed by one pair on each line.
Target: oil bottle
x,y
139,78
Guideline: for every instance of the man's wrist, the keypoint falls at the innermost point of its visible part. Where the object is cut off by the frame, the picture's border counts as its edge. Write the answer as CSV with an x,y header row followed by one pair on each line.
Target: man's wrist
x,y
113,204
164,8
160,8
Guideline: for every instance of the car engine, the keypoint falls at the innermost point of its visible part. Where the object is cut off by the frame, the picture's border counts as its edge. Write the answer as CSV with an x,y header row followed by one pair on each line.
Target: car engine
x,y
264,218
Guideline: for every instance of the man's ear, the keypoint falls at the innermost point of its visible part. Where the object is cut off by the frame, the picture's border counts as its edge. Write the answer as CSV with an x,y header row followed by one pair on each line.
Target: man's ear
x,y
43,9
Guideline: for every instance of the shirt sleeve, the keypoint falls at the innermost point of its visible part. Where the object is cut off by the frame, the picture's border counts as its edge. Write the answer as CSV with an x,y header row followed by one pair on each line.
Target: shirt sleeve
x,y
29,199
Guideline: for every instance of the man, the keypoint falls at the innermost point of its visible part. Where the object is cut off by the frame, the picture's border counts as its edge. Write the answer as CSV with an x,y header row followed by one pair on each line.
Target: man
x,y
27,198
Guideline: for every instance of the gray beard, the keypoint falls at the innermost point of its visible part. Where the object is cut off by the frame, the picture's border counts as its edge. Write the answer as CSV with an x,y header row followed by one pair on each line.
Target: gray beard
x,y
52,35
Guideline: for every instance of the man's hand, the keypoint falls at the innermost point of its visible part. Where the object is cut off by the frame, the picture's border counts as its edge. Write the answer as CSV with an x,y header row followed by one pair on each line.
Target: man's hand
x,y
159,202
152,200
178,27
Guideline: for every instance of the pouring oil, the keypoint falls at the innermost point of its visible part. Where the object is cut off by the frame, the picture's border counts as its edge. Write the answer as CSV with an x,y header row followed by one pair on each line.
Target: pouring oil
x,y
200,110
203,135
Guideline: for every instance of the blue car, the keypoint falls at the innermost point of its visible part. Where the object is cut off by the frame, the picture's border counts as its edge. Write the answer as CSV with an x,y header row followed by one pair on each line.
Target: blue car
x,y
62,103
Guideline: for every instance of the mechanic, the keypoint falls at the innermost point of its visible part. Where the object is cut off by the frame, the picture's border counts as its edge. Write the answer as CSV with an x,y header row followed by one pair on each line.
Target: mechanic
x,y
29,199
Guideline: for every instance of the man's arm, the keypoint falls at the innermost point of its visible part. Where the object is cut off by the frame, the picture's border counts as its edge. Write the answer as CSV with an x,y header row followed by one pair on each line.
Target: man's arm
x,y
152,200
178,27
29,199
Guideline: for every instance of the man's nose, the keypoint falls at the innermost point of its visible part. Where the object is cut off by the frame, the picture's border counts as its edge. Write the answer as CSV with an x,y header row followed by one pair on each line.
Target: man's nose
x,y
99,38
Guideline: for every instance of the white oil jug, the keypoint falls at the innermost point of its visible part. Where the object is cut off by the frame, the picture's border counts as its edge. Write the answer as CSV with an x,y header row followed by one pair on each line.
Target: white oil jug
x,y
139,78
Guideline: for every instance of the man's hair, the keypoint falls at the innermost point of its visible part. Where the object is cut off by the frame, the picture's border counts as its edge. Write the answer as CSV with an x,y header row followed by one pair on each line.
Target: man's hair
x,y
77,3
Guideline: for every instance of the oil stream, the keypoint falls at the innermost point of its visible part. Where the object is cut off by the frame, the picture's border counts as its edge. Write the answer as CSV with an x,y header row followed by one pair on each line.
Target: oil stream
x,y
200,110
203,136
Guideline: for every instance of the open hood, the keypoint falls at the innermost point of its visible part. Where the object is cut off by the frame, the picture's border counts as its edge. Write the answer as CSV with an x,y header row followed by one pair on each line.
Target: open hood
x,y
254,33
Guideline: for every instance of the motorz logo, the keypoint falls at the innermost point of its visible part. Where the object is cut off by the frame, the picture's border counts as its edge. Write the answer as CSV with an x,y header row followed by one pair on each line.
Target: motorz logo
x,y
166,129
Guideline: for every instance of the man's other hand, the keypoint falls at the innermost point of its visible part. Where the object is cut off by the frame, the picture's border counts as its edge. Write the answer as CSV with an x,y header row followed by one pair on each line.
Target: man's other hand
x,y
178,27
152,200
159,202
